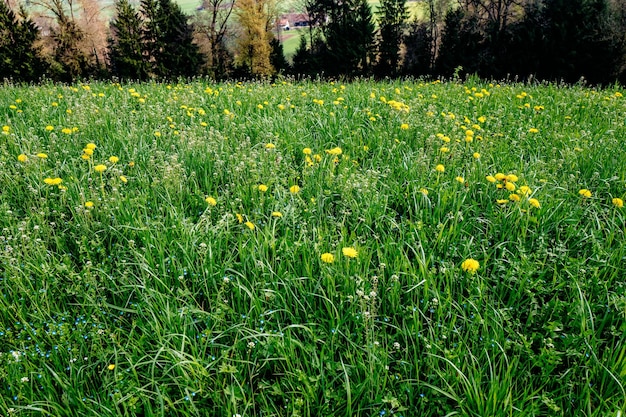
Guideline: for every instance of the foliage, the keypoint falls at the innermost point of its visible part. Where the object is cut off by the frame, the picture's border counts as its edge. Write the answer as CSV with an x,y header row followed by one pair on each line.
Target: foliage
x,y
126,51
392,19
396,248
253,43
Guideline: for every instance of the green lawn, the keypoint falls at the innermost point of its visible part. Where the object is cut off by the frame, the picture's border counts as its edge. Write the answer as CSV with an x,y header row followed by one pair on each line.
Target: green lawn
x,y
312,249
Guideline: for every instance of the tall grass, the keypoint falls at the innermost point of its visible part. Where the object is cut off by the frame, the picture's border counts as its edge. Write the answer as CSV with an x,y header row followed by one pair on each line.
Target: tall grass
x,y
124,290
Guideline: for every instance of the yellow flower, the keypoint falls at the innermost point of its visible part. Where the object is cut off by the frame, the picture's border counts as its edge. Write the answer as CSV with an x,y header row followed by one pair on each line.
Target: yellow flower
x,y
111,367
404,126
510,186
66,130
123,179
524,190
42,155
100,168
49,128
491,178
460,179
249,225
85,156
22,158
328,258
476,155
211,201
514,197
306,151
512,178
444,149
277,214
157,134
259,106
89,204
502,201
281,107
262,188
349,252
53,181
270,146
534,202
113,159
585,193
88,151
618,202
500,176
91,146
334,151
424,191
533,130
294,189
440,168
470,265
482,119
6,130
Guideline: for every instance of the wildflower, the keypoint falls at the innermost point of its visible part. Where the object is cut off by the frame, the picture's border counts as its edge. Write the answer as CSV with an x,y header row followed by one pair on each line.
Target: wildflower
x,y
482,119
349,252
66,131
476,155
249,225
491,178
334,151
42,155
259,106
424,191
585,193
440,168
524,190
157,134
111,367
281,107
294,189
113,159
131,164
262,188
470,265
618,202
404,126
49,128
500,176
100,168
239,217
270,146
328,258
510,186
22,158
91,146
533,130
444,149
211,201
88,151
89,204
85,156
6,130
502,201
534,202
460,179
512,178
277,214
306,151
123,179
53,181
514,197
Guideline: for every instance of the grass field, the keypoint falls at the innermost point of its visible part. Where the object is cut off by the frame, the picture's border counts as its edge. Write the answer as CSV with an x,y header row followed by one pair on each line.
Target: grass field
x,y
309,249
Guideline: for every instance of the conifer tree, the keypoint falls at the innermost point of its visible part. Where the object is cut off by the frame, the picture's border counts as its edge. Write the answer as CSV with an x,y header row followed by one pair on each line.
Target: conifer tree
x,y
392,19
126,50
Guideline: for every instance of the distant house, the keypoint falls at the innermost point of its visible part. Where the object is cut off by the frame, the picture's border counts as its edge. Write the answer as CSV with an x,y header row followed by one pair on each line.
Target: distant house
x,y
295,20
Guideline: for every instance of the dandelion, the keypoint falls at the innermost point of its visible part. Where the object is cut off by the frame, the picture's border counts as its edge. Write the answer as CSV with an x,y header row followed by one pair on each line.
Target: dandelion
x,y
89,204
113,159
424,191
49,128
85,156
524,190
334,151
502,201
239,217
100,168
294,189
157,134
440,168
328,258
349,252
5,130
88,151
514,197
533,130
91,146
211,201
534,202
500,176
512,178
470,265
444,149
42,155
250,225
277,214
585,193
476,155
111,367
262,188
22,158
618,202
510,186
460,179
66,131
404,126
270,146
53,181
123,179
491,178
306,151
259,106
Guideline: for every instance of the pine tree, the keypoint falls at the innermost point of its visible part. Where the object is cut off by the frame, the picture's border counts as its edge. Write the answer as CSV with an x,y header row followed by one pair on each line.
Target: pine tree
x,y
126,51
392,18
20,59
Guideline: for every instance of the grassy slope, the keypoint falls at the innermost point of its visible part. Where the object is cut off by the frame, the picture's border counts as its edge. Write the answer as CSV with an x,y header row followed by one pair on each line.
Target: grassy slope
x,y
153,302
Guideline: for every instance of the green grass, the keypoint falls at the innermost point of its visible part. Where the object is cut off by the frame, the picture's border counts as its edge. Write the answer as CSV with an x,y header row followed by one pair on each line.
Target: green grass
x,y
123,292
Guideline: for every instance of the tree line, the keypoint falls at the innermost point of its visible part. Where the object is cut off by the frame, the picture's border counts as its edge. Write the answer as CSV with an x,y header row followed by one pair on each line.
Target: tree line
x,y
558,40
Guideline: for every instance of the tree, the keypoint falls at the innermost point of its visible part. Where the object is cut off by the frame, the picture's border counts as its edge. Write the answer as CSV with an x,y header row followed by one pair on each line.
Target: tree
x,y
253,46
126,50
392,19
211,23
20,58
277,56
418,50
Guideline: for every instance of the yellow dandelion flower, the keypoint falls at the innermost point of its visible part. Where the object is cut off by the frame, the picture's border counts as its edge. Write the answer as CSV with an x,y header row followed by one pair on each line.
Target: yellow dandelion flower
x,y
460,179
585,193
534,202
440,168
470,265
500,176
404,126
476,155
349,252
328,258
42,155
157,134
444,149
512,178
306,151
111,367
294,189
259,106
66,131
211,201
123,179
22,158
277,214
502,201
91,146
424,191
510,186
533,130
100,168
250,225
49,128
113,159
334,151
89,204
262,188
53,181
85,156
618,202
270,146
491,178
88,151
524,190
239,217
514,197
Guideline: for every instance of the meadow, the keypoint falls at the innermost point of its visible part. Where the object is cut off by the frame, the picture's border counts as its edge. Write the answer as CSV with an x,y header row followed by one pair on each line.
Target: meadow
x,y
312,249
